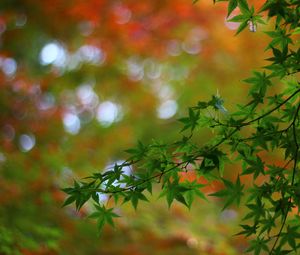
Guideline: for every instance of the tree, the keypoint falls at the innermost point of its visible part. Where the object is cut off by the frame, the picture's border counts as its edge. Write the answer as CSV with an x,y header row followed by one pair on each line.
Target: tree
x,y
267,124
57,66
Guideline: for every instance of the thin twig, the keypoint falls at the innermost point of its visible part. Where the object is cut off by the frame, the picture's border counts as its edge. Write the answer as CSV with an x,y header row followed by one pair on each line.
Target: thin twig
x,y
293,177
261,116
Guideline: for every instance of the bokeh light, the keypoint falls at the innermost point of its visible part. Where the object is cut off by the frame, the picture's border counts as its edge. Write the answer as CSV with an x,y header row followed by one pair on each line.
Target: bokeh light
x,y
108,113
53,53
26,142
9,66
167,109
71,123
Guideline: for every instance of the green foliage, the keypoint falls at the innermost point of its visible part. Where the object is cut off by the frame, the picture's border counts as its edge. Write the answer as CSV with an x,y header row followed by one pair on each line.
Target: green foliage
x,y
268,124
103,216
233,192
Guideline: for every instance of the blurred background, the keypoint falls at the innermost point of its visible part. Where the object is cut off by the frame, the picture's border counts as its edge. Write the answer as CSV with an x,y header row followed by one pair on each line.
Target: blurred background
x,y
83,80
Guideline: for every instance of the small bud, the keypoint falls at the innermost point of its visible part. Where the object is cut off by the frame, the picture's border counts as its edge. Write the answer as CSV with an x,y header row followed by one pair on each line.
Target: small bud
x,y
252,26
